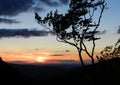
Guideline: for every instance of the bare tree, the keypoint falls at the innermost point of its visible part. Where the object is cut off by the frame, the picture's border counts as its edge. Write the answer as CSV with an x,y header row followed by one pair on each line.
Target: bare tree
x,y
77,26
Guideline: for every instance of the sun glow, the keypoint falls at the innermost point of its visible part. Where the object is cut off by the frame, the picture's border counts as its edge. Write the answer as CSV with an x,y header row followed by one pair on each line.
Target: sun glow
x,y
42,59
45,53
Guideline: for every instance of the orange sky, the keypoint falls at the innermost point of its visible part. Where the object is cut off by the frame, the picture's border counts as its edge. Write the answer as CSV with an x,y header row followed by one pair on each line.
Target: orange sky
x,y
46,49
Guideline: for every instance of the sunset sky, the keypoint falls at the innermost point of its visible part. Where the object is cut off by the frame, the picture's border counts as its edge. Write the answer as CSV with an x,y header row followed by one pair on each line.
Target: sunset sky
x,y
18,15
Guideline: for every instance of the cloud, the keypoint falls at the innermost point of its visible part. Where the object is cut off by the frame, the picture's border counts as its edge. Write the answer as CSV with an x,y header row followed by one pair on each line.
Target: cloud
x,y
14,7
101,32
118,31
38,9
11,8
8,21
67,61
50,3
36,49
57,55
67,50
64,1
18,62
54,3
22,33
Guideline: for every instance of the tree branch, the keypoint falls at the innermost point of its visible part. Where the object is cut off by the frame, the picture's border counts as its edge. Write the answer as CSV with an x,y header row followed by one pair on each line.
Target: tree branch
x,y
102,9
65,41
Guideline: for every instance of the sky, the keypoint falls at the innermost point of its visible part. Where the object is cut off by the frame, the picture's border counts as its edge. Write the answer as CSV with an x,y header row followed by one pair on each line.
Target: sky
x,y
34,44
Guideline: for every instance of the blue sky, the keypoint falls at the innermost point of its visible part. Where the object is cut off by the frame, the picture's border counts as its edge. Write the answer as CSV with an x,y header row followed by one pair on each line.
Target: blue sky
x,y
19,14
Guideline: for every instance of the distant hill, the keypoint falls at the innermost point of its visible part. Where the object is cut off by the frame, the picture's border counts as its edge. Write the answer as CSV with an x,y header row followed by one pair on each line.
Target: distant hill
x,y
107,72
12,76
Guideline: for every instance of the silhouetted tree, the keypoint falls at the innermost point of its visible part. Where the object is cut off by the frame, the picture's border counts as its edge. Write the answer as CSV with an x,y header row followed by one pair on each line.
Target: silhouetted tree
x,y
78,25
110,52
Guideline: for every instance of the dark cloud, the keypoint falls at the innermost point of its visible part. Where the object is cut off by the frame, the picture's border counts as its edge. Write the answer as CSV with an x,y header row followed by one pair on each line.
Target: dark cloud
x,y
37,49
57,55
22,33
101,32
18,62
14,7
64,1
118,32
54,3
67,50
50,3
38,9
8,21
67,61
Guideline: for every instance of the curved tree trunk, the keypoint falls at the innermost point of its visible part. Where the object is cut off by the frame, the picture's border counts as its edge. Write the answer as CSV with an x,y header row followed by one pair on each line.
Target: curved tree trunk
x,y
93,49
81,60
92,59
93,63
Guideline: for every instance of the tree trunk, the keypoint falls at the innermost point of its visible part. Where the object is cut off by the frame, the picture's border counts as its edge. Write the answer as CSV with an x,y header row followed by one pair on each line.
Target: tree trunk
x,y
93,52
81,60
92,59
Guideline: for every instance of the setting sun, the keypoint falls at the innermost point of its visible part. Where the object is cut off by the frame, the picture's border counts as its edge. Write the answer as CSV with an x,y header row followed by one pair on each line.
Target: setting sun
x,y
42,59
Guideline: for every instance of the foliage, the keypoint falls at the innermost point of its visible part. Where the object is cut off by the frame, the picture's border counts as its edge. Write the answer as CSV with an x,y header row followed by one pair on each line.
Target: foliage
x,y
78,25
110,52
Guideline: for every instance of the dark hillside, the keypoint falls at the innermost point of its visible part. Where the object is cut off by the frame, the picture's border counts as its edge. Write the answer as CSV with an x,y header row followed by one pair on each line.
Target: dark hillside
x,y
12,76
107,72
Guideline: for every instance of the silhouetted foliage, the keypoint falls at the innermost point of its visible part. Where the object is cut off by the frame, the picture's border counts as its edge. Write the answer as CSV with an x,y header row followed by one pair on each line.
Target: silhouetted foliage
x,y
110,52
78,25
